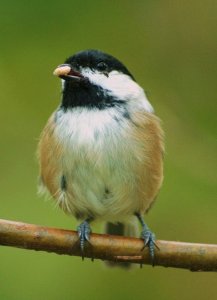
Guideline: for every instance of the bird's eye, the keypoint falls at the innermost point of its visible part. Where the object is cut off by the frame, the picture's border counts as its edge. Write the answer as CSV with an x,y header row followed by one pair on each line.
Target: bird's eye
x,y
76,65
101,66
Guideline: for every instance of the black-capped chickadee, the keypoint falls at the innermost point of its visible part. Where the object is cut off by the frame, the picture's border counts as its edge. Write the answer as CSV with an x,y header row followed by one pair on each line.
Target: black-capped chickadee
x,y
101,152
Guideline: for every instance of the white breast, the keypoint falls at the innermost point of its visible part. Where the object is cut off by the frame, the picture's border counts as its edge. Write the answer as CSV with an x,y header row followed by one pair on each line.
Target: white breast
x,y
98,162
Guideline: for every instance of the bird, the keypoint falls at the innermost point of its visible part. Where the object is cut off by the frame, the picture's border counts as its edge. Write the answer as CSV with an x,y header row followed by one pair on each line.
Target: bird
x,y
101,151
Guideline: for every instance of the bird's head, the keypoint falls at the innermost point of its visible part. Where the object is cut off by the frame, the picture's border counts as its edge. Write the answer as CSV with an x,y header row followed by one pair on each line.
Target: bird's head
x,y
94,78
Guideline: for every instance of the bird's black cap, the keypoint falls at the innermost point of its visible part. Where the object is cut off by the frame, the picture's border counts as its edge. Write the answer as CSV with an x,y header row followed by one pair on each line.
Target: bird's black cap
x,y
97,60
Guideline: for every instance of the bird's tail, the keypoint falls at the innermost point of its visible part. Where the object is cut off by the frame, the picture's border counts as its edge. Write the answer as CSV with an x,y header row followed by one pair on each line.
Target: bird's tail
x,y
125,229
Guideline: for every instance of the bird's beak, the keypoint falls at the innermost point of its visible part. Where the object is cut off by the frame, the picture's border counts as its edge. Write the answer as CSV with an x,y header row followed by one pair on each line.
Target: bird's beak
x,y
66,72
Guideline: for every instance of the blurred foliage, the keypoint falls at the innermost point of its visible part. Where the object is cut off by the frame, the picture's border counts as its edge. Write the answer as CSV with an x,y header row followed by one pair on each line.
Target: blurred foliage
x,y
170,47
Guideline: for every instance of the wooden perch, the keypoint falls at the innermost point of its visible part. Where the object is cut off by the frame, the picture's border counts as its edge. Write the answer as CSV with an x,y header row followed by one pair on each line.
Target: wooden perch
x,y
192,256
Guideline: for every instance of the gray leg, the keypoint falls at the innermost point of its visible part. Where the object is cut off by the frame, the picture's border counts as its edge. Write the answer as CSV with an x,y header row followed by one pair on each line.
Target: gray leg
x,y
147,236
84,232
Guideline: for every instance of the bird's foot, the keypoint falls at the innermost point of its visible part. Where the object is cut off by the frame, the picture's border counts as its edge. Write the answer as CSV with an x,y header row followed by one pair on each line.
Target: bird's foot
x,y
84,232
149,240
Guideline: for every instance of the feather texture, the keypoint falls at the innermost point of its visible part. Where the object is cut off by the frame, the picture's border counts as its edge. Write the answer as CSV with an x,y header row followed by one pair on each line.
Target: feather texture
x,y
112,164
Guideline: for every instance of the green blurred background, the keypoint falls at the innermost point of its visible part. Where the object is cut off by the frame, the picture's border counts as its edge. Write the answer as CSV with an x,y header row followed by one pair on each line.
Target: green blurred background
x,y
171,48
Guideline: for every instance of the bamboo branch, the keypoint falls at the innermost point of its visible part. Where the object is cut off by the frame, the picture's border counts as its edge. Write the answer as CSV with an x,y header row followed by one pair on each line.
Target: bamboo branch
x,y
192,256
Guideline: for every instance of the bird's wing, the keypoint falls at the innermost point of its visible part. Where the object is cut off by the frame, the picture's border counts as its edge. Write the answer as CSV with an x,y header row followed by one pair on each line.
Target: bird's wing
x,y
49,155
149,137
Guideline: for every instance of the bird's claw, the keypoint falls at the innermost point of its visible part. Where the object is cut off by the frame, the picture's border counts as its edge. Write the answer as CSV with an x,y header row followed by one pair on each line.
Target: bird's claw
x,y
84,232
149,240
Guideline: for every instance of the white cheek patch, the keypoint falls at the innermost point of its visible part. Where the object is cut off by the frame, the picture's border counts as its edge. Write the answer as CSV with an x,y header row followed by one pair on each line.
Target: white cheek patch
x,y
120,86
